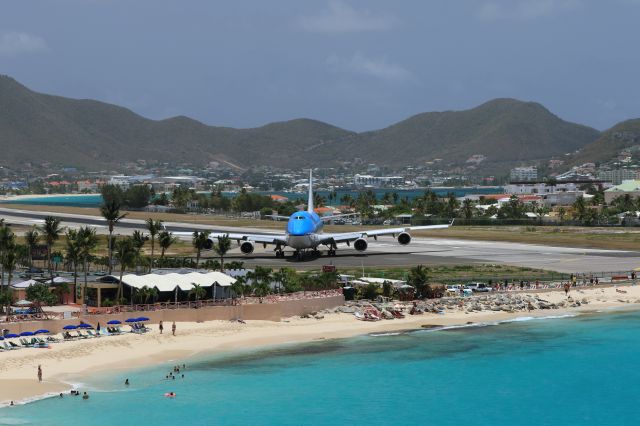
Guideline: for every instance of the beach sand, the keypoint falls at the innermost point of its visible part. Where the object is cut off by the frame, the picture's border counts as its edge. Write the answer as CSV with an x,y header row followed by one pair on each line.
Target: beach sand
x,y
69,362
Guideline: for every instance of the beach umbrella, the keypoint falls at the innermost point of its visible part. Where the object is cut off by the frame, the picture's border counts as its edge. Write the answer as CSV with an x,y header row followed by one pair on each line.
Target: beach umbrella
x,y
131,320
85,325
27,333
42,331
113,322
143,319
1,338
69,327
11,336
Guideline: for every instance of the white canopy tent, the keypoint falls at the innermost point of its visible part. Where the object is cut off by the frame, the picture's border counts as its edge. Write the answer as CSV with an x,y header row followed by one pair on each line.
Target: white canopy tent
x,y
169,282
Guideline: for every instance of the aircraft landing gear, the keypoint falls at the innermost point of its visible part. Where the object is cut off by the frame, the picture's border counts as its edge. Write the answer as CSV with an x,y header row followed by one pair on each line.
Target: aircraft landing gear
x,y
280,253
331,252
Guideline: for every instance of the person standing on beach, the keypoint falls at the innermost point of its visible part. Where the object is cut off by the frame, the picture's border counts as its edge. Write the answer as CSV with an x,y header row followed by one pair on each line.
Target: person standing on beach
x,y
39,373
160,327
173,328
567,286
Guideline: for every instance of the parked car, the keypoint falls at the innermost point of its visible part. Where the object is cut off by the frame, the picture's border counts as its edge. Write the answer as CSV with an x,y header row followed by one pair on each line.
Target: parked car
x,y
479,287
455,289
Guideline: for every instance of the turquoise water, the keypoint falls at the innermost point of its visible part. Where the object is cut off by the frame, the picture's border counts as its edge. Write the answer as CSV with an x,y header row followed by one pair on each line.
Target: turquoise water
x,y
95,200
568,371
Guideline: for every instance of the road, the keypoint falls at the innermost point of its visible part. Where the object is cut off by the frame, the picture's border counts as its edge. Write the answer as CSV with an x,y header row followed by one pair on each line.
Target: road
x,y
387,253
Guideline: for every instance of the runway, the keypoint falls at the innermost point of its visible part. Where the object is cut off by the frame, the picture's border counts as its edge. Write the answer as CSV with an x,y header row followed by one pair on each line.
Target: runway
x,y
386,252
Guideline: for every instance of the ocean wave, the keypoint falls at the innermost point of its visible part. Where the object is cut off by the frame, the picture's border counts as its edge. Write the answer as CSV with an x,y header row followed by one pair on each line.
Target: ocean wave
x,y
391,333
13,421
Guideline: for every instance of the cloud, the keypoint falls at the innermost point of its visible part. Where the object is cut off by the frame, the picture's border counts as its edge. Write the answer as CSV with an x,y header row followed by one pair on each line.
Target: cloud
x,y
524,9
342,18
13,43
379,68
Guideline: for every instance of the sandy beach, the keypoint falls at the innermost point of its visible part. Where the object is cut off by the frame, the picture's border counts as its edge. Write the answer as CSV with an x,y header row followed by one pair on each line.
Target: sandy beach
x,y
71,361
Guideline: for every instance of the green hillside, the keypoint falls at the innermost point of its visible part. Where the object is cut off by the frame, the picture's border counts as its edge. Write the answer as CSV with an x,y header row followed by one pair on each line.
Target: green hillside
x,y
610,143
35,127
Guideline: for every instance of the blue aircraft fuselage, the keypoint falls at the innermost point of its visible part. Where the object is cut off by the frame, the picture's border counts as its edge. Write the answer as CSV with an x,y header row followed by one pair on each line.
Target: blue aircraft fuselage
x,y
304,223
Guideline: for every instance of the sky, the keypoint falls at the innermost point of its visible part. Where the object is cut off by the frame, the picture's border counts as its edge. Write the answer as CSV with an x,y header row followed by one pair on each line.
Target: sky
x,y
359,65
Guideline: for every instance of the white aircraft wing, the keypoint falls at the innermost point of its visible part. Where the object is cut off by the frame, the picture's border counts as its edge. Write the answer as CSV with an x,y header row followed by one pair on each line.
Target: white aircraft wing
x,y
344,237
256,238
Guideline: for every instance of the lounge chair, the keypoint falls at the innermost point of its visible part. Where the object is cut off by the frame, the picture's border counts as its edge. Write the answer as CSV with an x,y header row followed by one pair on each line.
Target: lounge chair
x,y
67,336
82,336
92,334
52,339
25,343
14,346
6,346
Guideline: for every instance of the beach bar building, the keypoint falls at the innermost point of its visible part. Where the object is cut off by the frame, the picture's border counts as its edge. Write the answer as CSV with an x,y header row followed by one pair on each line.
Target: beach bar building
x,y
170,286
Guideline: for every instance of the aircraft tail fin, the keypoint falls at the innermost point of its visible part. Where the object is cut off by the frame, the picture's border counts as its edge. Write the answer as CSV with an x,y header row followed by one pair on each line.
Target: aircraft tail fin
x,y
310,201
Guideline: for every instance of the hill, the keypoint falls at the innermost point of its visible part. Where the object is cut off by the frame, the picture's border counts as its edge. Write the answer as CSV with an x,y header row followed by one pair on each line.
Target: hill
x,y
36,127
610,143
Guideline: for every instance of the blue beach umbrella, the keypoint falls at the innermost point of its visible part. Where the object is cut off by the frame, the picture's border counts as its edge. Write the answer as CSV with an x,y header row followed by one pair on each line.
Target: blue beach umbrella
x,y
11,336
69,327
143,319
42,331
131,320
114,322
85,325
27,333
1,338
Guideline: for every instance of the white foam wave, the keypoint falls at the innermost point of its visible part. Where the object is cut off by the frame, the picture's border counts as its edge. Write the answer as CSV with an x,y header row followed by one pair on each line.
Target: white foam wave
x,y
392,333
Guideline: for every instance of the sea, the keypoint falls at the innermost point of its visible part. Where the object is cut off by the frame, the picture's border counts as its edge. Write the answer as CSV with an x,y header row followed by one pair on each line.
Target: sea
x,y
567,370
95,200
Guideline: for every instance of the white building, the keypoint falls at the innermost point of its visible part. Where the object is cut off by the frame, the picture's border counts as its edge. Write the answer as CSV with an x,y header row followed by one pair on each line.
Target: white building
x,y
377,181
520,174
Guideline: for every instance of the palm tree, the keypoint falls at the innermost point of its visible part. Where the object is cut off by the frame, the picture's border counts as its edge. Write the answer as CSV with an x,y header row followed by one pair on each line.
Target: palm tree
x,y
32,237
197,291
139,239
467,208
87,242
51,230
72,253
261,280
221,249
165,239
154,227
111,212
418,276
6,239
238,287
126,252
200,242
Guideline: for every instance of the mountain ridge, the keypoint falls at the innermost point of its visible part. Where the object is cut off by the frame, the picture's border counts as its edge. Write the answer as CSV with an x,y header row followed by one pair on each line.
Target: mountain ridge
x,y
37,127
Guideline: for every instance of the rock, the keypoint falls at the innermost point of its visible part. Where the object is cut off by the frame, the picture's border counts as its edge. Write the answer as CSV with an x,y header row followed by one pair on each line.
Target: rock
x,y
318,316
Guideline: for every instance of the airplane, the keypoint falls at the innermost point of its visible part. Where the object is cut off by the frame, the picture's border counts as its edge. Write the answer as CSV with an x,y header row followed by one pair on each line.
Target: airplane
x,y
304,233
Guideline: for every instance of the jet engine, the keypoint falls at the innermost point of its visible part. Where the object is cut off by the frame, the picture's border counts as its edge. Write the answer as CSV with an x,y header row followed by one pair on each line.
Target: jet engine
x,y
404,238
246,247
360,244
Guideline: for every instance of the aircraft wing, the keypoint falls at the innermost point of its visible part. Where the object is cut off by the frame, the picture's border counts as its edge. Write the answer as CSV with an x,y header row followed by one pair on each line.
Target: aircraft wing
x,y
256,238
344,237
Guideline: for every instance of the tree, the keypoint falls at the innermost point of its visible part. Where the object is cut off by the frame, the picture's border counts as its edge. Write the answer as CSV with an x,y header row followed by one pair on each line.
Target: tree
x,y
87,242
467,209
154,227
200,241
139,239
579,209
51,230
239,286
452,205
7,239
418,277
261,280
40,295
110,210
221,248
126,253
32,237
72,254
197,291
165,239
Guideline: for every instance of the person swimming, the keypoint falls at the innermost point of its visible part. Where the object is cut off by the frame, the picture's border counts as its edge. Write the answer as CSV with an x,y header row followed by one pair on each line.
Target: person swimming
x,y
126,382
85,396
170,394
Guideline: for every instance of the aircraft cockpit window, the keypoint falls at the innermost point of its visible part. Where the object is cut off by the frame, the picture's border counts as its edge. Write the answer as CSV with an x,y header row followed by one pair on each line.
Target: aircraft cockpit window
x,y
299,217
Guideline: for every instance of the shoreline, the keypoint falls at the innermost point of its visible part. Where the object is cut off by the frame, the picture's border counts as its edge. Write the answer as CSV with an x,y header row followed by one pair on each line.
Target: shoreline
x,y
69,362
